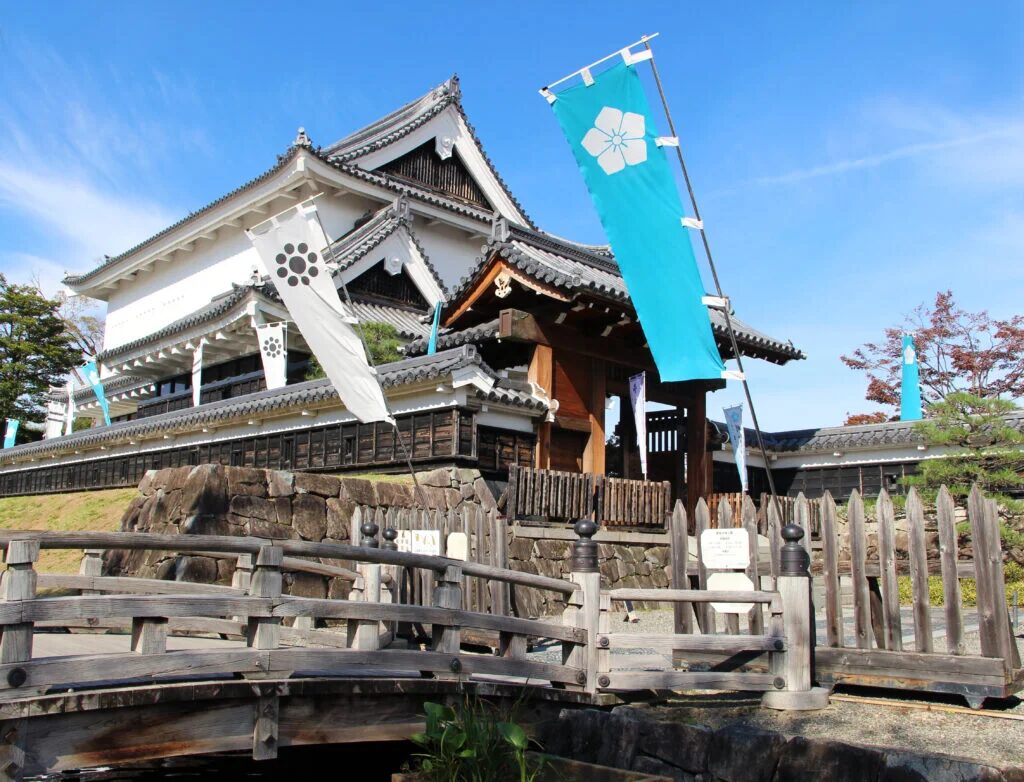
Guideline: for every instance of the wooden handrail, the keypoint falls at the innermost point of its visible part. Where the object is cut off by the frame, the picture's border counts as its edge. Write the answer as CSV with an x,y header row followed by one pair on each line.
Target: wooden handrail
x,y
197,544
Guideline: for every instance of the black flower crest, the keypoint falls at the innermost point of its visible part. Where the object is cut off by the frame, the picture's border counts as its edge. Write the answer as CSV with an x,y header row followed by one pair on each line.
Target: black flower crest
x,y
272,347
298,264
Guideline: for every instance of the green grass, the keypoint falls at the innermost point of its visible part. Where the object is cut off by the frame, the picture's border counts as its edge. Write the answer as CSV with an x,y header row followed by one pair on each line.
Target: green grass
x,y
96,511
1013,573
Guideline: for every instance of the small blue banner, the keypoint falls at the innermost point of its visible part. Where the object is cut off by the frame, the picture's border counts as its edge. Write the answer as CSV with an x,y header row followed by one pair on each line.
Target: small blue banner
x,y
92,376
738,438
910,392
11,432
432,344
611,131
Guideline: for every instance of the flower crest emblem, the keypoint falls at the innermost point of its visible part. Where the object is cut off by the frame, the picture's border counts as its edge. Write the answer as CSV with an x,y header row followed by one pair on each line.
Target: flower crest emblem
x,y
616,140
297,264
272,347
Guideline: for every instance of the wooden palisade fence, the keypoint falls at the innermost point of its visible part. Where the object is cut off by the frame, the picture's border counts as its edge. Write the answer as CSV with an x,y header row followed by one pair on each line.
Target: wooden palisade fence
x,y
554,495
873,640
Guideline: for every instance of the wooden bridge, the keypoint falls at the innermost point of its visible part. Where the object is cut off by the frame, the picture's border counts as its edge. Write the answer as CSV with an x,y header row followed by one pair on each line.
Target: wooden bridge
x,y
203,668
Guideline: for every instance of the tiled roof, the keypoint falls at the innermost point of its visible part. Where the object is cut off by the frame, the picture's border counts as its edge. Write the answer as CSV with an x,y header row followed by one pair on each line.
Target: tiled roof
x,y
237,297
453,339
282,162
363,239
407,322
574,268
310,393
111,386
404,121
843,438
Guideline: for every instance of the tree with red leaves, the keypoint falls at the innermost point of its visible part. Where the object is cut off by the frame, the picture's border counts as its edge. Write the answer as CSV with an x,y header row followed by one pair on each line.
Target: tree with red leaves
x,y
957,351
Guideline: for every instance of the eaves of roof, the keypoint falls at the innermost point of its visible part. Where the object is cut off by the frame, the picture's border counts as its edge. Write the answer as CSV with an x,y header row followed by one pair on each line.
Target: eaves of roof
x,y
447,340
406,372
282,162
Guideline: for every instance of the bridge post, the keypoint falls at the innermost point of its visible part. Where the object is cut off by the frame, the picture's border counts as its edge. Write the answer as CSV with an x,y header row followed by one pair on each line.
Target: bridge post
x,y
19,583
264,631
365,634
447,639
792,667
91,565
586,603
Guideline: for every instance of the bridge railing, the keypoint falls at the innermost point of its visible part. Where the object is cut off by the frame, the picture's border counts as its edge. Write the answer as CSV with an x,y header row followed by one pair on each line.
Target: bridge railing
x,y
256,608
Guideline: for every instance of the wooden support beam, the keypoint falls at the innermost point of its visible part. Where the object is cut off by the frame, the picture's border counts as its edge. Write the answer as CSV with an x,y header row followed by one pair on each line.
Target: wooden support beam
x,y
593,453
698,460
541,372
524,327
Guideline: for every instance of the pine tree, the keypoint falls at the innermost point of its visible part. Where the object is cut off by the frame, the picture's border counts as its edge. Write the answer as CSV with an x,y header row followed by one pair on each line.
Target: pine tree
x,y
36,350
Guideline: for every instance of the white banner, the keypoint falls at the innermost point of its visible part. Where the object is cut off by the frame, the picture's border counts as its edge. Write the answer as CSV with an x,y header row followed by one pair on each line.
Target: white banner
x,y
290,246
197,373
273,339
638,398
734,423
69,411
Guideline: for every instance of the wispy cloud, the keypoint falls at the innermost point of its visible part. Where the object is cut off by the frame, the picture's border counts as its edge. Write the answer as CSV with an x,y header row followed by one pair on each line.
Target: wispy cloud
x,y
899,153
78,148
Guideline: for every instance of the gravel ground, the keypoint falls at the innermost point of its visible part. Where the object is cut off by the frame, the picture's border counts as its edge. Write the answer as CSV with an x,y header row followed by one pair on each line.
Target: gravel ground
x,y
970,735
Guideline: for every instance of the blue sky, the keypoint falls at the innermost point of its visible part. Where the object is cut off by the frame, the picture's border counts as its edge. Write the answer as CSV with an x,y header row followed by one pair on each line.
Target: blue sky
x,y
850,159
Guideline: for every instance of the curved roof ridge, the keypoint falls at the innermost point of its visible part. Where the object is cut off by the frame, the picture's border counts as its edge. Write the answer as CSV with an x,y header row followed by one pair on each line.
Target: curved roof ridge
x,y
399,123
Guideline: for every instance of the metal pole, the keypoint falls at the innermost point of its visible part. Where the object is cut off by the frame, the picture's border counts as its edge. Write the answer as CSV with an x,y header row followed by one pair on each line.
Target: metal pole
x,y
718,284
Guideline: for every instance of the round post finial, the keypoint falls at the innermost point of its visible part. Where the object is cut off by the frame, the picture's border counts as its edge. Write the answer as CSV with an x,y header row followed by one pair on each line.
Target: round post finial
x,y
390,535
793,560
369,530
584,550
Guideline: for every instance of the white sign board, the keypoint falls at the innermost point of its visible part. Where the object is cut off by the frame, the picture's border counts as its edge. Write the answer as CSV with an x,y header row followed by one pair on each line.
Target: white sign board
x,y
419,541
731,582
426,541
725,549
458,546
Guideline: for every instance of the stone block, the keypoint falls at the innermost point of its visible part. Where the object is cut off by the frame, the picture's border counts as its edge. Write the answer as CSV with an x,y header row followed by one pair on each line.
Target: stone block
x,y
483,495
654,767
339,518
315,483
306,585
283,509
146,513
165,570
453,497
828,761
657,555
309,516
464,475
173,478
552,549
439,478
521,549
619,739
269,530
682,745
201,570
909,767
733,748
166,509
253,507
280,483
225,569
338,589
130,518
246,480
205,524
586,727
146,484
360,491
205,490
394,495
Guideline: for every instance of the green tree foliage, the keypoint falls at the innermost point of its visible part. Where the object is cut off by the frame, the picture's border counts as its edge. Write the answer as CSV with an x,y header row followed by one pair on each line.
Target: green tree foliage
x,y
36,350
382,340
986,448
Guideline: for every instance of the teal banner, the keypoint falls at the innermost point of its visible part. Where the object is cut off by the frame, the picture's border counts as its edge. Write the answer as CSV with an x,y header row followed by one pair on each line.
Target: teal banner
x,y
611,131
910,392
432,343
92,375
11,432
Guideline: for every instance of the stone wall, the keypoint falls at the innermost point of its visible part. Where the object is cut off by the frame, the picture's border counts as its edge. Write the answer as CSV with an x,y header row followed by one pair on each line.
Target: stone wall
x,y
627,560
218,500
629,738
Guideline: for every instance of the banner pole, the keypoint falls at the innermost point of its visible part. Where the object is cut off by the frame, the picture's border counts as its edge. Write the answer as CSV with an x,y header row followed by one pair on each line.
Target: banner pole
x,y
714,275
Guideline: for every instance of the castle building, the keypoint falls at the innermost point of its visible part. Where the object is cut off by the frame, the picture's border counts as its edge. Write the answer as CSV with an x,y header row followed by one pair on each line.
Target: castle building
x,y
538,332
